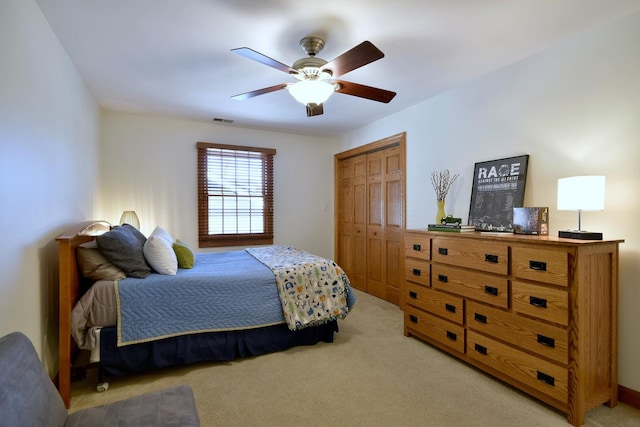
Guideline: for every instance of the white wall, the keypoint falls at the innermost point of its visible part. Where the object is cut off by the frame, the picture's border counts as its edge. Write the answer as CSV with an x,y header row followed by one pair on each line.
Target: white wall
x,y
575,109
149,165
48,159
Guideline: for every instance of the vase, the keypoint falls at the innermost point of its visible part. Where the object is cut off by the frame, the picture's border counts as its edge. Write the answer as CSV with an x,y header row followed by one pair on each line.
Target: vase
x,y
440,214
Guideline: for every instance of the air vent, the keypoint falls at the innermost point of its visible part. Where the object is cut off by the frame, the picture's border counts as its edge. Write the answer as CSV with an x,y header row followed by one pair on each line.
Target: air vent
x,y
220,120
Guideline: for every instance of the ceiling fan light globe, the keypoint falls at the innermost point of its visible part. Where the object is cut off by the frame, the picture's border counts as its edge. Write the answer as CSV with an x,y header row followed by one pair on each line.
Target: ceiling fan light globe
x,y
311,91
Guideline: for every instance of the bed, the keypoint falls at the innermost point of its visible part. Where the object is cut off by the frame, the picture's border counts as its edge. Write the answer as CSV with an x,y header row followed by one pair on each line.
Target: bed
x,y
229,305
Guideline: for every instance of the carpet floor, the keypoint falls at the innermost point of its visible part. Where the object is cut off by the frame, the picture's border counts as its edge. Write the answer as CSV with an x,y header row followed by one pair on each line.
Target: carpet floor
x,y
371,375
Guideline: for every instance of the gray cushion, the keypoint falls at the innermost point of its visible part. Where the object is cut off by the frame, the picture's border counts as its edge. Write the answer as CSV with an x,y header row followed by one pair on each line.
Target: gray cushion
x,y
27,395
173,406
123,247
29,399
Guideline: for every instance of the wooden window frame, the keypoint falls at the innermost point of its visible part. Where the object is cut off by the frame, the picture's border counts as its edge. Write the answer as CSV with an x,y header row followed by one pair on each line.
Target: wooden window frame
x,y
205,239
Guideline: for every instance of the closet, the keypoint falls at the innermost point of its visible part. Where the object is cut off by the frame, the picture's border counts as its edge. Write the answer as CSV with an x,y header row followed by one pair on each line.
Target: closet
x,y
370,215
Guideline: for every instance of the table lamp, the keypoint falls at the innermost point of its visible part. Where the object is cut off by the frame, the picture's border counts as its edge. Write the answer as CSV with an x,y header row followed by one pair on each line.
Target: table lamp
x,y
581,193
130,217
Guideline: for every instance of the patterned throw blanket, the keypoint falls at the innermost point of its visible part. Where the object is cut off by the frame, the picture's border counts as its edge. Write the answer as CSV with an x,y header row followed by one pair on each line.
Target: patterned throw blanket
x,y
313,290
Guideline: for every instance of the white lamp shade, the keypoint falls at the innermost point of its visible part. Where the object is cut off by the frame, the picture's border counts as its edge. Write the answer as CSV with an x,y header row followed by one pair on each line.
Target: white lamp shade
x,y
581,193
311,91
130,217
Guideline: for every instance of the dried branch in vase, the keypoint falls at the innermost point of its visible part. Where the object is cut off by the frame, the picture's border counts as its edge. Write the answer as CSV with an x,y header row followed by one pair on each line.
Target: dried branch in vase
x,y
442,181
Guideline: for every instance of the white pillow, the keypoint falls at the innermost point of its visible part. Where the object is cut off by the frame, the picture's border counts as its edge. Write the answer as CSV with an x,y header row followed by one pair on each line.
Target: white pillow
x,y
158,251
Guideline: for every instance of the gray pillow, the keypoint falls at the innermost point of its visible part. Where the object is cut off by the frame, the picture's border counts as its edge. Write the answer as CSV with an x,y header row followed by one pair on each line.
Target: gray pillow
x,y
123,247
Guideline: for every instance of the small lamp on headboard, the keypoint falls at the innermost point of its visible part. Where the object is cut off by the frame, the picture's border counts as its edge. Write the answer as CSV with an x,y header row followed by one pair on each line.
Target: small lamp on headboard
x,y
581,193
130,217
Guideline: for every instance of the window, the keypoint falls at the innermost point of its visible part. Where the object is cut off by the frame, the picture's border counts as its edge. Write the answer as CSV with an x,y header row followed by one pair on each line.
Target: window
x,y
235,195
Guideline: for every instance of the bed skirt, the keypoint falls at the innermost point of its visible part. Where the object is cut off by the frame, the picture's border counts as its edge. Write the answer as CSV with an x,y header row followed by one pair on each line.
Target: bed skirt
x,y
213,346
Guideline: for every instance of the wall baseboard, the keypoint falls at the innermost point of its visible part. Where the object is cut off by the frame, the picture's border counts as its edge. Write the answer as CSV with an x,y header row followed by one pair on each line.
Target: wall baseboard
x,y
629,396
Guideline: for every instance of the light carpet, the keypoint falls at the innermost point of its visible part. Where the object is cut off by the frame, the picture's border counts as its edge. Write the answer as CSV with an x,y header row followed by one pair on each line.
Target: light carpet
x,y
371,375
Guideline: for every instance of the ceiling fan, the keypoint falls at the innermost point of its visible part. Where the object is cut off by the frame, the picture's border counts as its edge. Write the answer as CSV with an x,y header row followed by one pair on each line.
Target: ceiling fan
x,y
316,77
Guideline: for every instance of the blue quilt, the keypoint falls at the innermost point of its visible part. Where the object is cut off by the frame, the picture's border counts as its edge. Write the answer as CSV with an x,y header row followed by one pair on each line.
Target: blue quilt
x,y
224,291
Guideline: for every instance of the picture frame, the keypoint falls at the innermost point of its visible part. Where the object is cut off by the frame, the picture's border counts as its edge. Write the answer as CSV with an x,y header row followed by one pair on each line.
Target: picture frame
x,y
498,187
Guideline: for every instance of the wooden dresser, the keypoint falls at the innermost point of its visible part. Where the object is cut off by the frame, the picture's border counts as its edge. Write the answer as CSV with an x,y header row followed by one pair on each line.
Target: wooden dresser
x,y
537,312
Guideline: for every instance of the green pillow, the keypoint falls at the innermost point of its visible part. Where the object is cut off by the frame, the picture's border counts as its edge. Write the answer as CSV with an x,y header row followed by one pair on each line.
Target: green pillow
x,y
186,256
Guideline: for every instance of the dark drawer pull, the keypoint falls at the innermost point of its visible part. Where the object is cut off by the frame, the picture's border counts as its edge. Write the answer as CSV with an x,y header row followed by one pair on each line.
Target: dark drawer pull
x,y
417,247
546,341
538,265
547,379
480,349
413,319
442,278
417,272
450,308
452,336
491,258
538,302
491,290
443,251
413,295
480,317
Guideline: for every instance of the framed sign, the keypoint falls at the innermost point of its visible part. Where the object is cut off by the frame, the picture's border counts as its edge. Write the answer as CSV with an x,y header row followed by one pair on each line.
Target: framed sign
x,y
498,187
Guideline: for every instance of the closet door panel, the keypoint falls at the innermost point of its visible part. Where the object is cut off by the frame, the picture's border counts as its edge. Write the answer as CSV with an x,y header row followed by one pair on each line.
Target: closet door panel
x,y
359,233
393,222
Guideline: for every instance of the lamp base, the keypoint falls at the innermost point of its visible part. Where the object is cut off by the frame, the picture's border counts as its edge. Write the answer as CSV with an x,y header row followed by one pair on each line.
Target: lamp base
x,y
580,235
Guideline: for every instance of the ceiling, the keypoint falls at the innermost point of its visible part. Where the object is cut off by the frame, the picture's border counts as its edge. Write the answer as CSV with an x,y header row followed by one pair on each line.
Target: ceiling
x,y
173,57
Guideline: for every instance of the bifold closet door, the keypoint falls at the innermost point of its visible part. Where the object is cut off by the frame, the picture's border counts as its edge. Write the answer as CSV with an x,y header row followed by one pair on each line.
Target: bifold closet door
x,y
352,220
370,220
384,223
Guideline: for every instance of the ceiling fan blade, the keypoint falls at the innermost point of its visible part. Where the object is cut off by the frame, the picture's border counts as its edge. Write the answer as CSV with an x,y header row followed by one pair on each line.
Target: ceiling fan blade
x,y
314,110
363,91
262,91
363,54
257,56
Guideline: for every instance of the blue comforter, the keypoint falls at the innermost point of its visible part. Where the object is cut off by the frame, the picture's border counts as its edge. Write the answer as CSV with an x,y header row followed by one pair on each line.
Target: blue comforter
x,y
224,291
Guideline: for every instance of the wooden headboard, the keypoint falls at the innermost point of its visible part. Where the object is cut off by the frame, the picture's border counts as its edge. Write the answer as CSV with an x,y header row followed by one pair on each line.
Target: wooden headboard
x,y
69,294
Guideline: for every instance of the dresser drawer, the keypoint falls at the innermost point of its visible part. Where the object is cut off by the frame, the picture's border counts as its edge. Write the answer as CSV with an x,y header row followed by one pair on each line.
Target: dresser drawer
x,y
480,255
481,287
541,302
442,331
417,271
546,377
546,340
438,303
417,246
548,266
